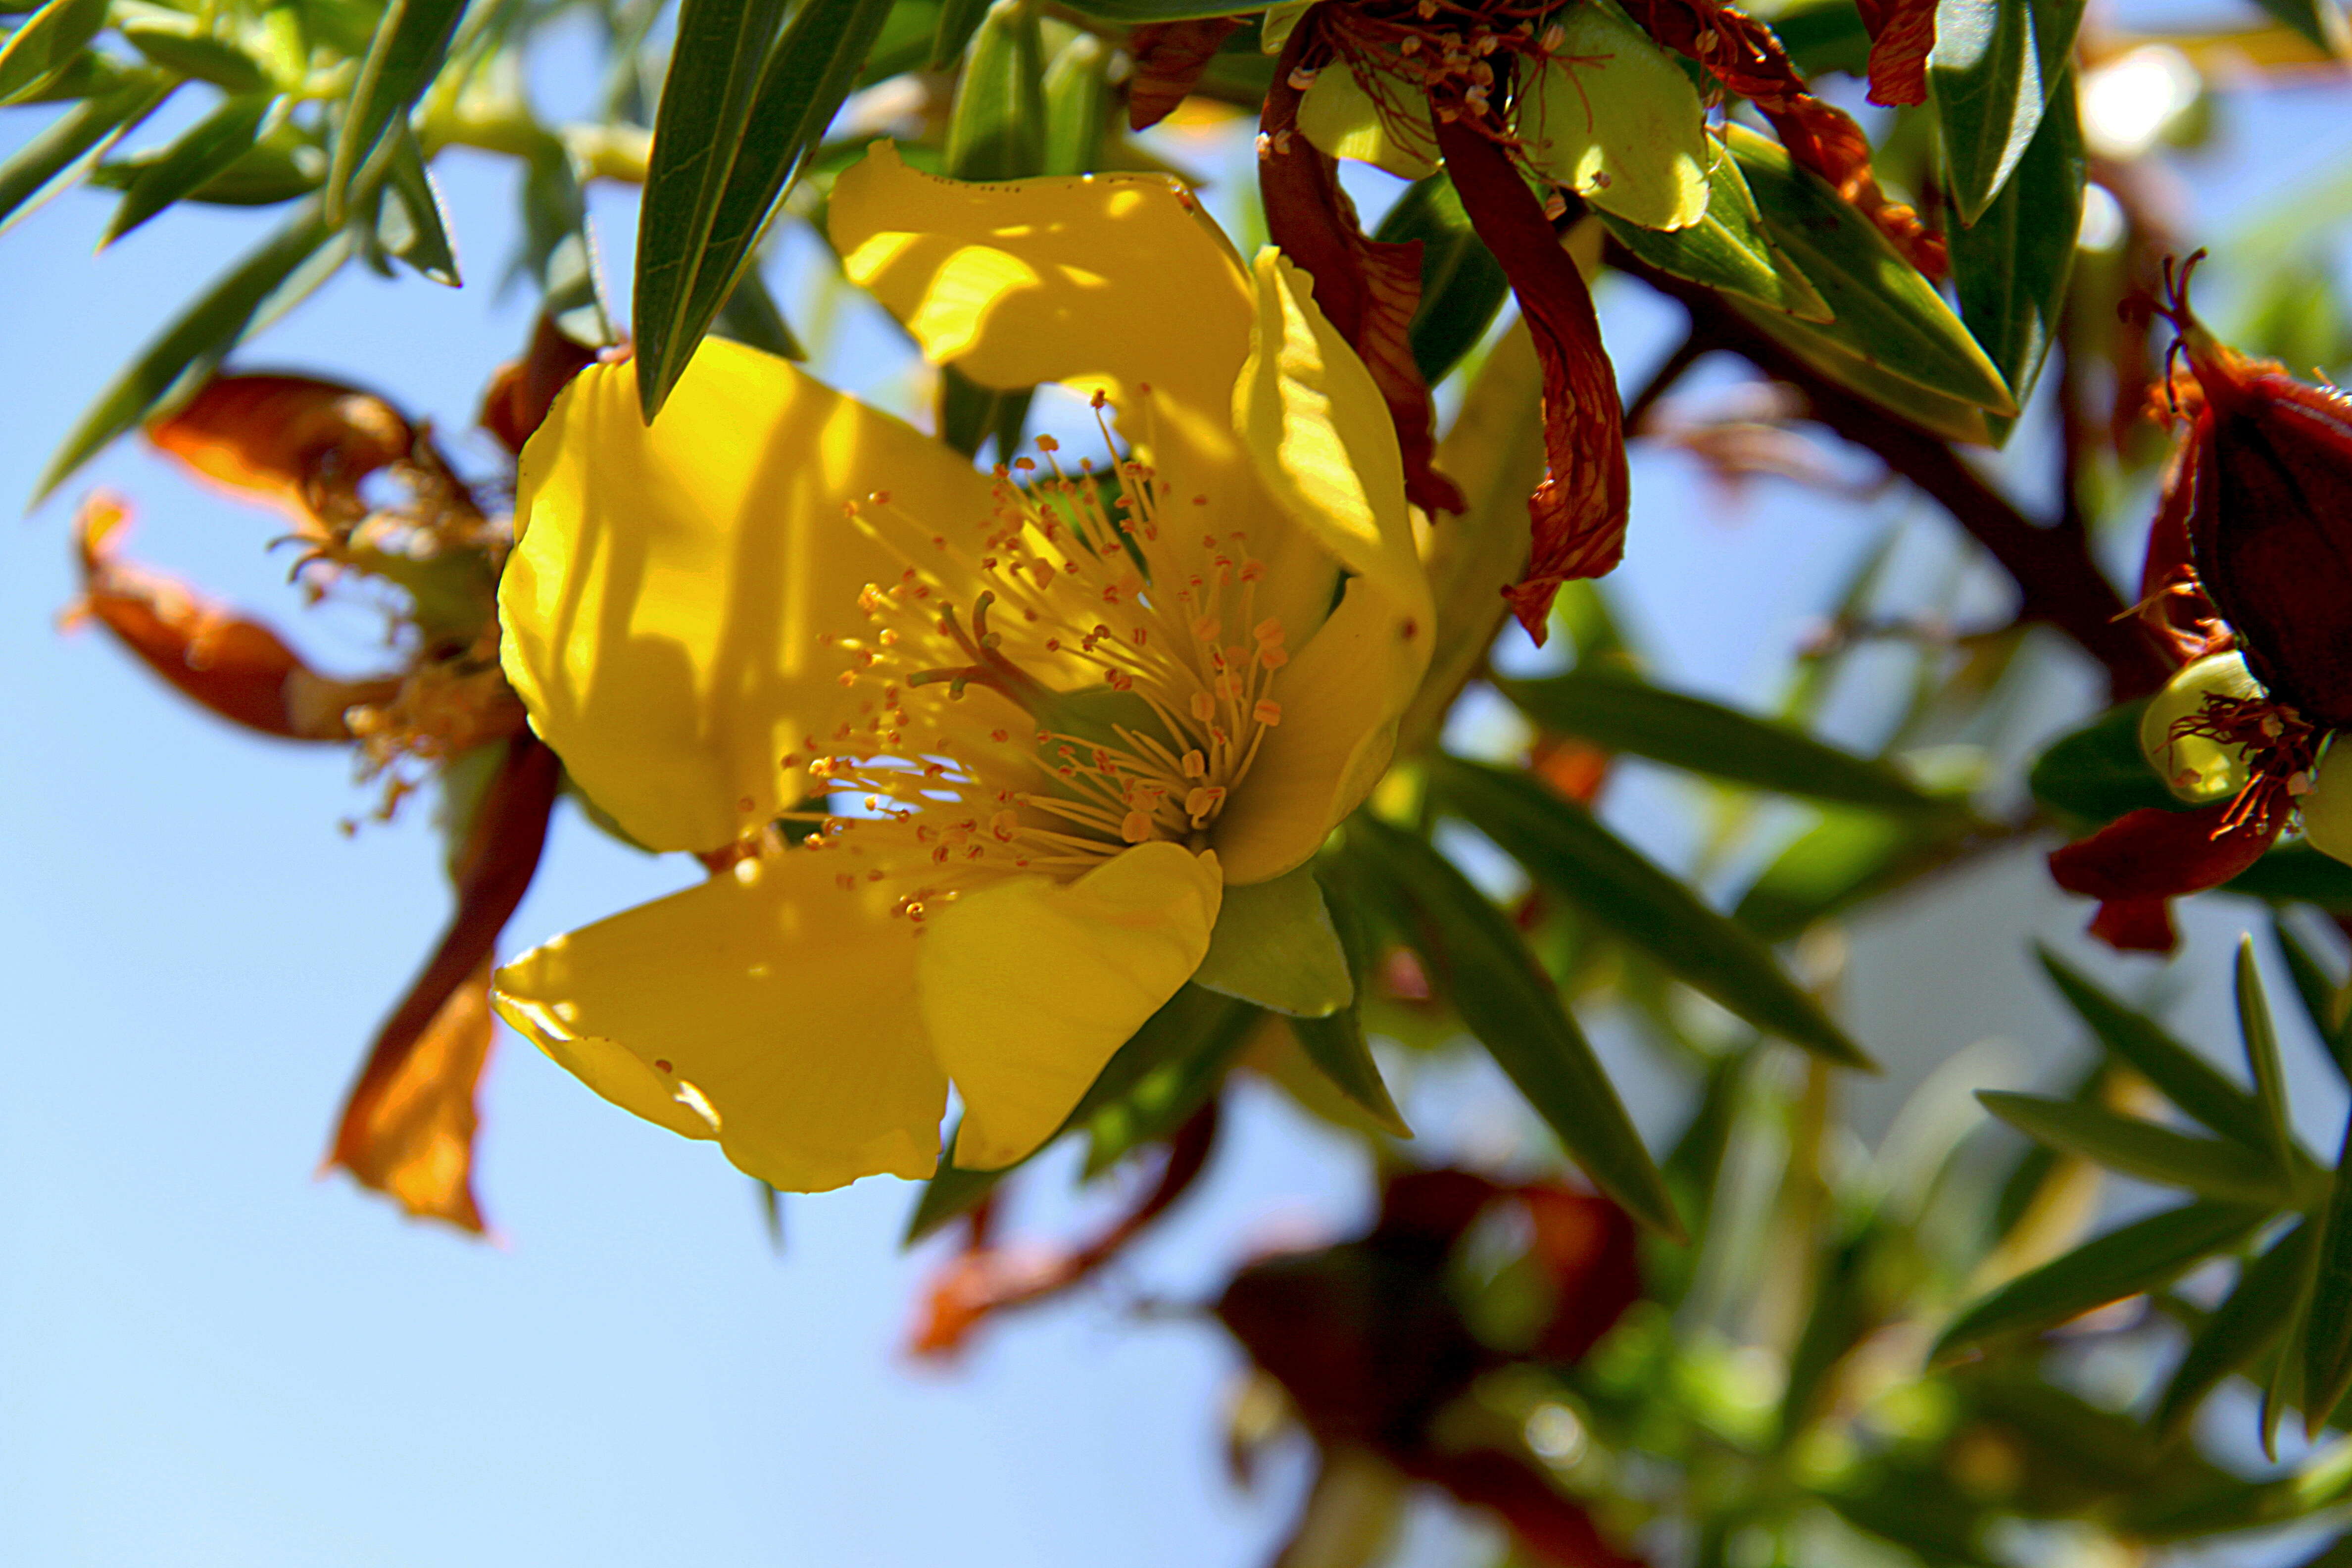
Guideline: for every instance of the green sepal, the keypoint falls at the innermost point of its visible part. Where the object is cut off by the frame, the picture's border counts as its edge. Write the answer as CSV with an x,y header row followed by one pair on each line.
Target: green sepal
x,y
1274,944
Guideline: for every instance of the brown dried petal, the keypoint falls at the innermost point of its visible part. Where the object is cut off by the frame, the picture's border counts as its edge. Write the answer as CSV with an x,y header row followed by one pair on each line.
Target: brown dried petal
x,y
300,444
525,389
238,669
1577,513
1367,288
408,1130
1902,33
1168,59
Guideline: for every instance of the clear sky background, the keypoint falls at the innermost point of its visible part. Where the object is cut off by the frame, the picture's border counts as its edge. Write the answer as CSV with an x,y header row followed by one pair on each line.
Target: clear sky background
x,y
208,1357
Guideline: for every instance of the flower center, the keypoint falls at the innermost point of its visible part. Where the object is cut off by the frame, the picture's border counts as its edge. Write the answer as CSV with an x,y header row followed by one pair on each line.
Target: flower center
x,y
1066,686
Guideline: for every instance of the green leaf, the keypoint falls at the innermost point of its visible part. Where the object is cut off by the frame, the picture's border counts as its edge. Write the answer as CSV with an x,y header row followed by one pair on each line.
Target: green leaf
x,y
1831,352
1164,1098
2318,21
1462,285
1727,250
1620,711
1566,849
1274,944
1077,106
406,52
2327,1332
970,414
2180,1074
1888,315
2138,1258
1135,13
287,266
1825,37
2297,873
46,43
206,150
1844,860
2098,773
1995,66
2258,1310
2322,997
731,162
1189,1023
2210,1167
752,316
1475,956
179,45
996,127
951,33
48,162
2011,266
1335,1044
411,222
2263,1055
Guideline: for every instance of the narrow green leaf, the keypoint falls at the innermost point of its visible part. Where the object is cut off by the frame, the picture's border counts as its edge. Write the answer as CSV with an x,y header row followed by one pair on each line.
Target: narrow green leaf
x,y
207,149
1335,1044
1840,1316
996,127
1470,949
181,45
1275,945
2327,1330
1462,285
2261,1040
402,58
1077,106
714,70
2180,1074
2210,1167
1846,858
2324,1001
752,316
1136,12
1995,66
951,35
2318,21
2138,1258
46,43
1186,1024
1570,853
1620,711
810,71
561,252
1888,315
411,222
2256,1312
1830,351
1164,1098
1729,249
2098,773
48,162
2011,266
287,266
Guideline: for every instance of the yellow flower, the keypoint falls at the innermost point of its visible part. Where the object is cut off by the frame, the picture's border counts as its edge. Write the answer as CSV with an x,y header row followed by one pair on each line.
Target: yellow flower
x,y
1078,717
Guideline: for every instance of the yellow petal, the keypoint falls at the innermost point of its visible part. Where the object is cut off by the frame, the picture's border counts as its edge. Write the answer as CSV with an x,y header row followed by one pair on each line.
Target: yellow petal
x,y
662,610
1322,439
1340,700
1098,281
1027,986
766,1007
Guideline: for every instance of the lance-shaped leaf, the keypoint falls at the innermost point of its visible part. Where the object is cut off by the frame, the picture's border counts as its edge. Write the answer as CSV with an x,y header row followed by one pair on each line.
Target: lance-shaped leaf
x,y
1167,1097
1619,710
2210,1167
2099,772
298,259
1462,285
1888,315
1169,58
721,165
292,442
45,44
407,50
2011,266
205,150
2256,1312
996,127
1479,964
50,160
2139,1257
1901,32
561,250
1995,66
2180,1074
234,668
2324,1001
1566,849
1609,116
1729,249
411,223
1846,859
2328,1331
1577,516
1335,1043
2261,1040
407,1125
951,32
1136,13
2319,21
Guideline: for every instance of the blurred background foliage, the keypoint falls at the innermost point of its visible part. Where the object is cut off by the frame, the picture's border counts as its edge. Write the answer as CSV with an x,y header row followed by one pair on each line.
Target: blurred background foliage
x,y
1959,1345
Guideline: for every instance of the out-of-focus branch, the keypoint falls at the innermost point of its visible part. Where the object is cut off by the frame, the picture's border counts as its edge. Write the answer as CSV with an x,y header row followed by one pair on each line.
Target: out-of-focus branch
x,y
2057,579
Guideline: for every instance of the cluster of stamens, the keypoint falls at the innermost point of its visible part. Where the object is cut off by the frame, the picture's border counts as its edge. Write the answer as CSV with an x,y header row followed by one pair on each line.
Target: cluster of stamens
x,y
1046,693
2279,747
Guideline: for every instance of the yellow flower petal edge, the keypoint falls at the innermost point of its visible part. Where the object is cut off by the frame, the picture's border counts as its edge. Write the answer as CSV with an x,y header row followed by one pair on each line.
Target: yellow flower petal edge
x,y
765,1008
1028,986
662,610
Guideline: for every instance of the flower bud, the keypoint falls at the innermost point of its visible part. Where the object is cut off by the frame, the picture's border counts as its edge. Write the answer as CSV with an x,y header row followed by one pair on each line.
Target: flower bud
x,y
2327,805
2195,766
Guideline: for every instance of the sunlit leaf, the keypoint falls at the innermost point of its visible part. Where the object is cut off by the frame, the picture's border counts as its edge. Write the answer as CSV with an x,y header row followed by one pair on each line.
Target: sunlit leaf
x,y
45,43
407,50
2011,266
1077,106
2098,773
1995,66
